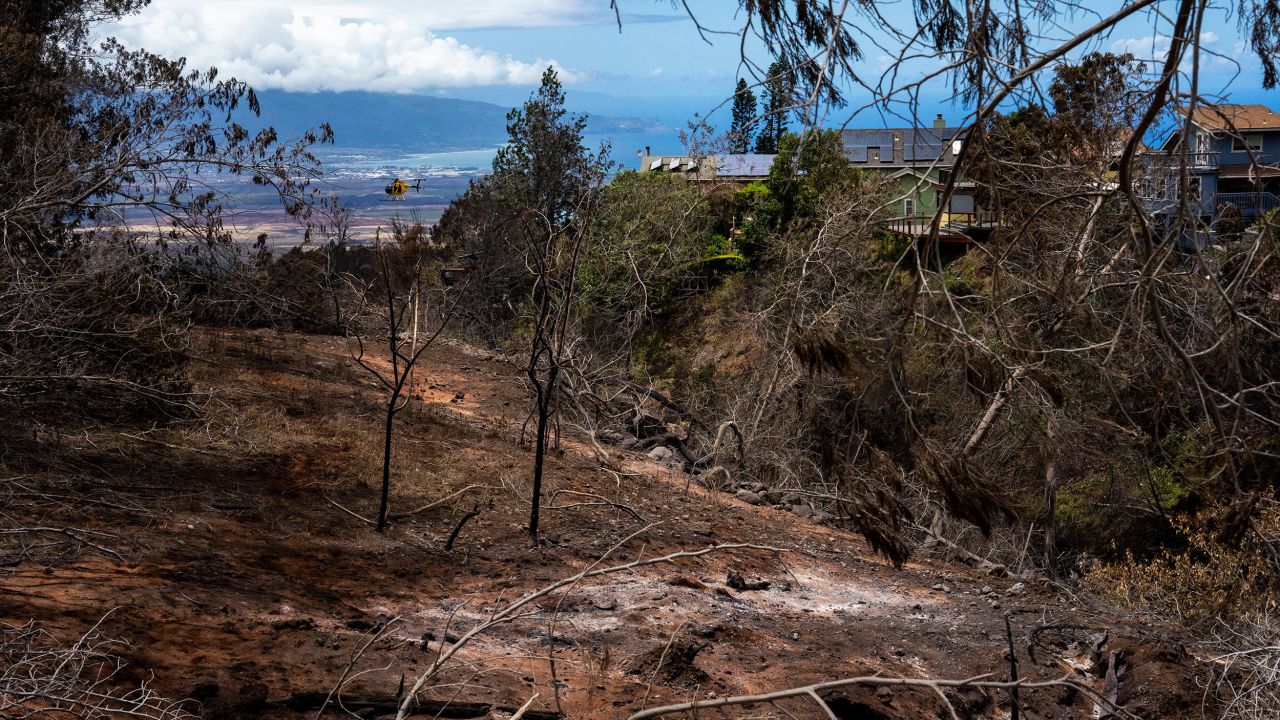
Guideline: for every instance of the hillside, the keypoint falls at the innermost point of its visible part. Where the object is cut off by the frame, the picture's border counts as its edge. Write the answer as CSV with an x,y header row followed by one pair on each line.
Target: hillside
x,y
228,555
423,123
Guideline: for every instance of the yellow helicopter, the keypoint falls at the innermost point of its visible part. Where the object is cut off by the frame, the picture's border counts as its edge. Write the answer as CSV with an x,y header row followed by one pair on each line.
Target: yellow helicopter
x,y
397,189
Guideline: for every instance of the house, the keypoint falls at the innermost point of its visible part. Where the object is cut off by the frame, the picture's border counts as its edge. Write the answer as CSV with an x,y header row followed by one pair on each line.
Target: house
x,y
733,169
1232,158
920,160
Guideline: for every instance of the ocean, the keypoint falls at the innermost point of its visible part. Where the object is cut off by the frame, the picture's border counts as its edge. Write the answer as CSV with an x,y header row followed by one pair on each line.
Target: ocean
x,y
358,178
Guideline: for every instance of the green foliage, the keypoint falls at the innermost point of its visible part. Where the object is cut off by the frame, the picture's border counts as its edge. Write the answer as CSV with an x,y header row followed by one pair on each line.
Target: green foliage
x,y
808,171
963,278
757,210
544,168
655,240
543,183
744,116
779,86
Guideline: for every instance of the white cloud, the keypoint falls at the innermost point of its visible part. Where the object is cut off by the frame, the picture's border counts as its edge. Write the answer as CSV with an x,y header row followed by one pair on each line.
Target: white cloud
x,y
332,45
1153,47
656,72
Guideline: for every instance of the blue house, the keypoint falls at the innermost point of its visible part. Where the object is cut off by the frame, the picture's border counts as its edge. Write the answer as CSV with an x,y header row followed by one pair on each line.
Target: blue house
x,y
1232,158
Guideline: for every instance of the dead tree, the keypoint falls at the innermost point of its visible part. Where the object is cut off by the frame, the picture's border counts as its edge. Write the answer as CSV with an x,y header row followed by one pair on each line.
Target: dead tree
x,y
413,313
555,273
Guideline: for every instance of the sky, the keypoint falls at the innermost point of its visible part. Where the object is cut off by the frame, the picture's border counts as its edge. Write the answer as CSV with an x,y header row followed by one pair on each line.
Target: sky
x,y
495,50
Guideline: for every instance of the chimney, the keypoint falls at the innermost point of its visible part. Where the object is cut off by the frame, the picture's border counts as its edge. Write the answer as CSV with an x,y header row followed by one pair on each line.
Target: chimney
x,y
646,150
939,123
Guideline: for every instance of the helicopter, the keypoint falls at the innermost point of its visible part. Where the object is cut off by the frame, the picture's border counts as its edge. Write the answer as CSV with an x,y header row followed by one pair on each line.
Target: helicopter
x,y
397,189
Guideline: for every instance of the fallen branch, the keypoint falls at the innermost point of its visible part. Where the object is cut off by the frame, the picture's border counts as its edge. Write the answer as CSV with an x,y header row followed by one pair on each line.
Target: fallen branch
x,y
524,708
347,510
600,500
966,556
448,545
812,692
355,657
446,498
69,532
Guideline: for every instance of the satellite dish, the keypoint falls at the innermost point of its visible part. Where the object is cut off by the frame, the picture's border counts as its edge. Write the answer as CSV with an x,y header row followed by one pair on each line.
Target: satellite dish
x,y
639,152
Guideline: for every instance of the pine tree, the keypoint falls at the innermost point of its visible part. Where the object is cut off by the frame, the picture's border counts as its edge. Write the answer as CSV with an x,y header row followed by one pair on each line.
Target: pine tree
x,y
778,87
744,116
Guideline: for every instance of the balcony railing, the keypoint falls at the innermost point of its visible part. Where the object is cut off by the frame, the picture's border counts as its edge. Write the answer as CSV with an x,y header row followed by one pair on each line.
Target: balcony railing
x,y
951,223
1250,203
1179,159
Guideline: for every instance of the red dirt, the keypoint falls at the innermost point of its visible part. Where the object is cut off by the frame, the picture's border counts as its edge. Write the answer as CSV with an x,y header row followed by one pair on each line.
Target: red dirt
x,y
244,586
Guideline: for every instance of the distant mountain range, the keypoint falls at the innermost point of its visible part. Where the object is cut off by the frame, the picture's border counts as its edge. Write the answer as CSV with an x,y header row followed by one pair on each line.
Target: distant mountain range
x,y
420,122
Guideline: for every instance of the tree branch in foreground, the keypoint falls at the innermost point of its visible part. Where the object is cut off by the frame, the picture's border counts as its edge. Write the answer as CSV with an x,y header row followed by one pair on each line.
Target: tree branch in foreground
x,y
812,692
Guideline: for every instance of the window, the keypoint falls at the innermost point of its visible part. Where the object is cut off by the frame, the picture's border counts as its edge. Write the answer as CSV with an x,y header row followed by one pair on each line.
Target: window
x,y
1193,188
909,207
1252,141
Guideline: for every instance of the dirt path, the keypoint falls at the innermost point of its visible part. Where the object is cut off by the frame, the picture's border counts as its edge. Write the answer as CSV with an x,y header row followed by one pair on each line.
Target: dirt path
x,y
246,587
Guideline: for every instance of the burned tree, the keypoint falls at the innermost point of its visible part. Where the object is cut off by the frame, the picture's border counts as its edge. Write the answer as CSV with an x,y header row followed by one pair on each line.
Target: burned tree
x,y
538,201
413,309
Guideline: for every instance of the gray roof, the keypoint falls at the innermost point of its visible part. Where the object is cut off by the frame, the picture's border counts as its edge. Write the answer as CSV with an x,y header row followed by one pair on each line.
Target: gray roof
x,y
748,165
901,147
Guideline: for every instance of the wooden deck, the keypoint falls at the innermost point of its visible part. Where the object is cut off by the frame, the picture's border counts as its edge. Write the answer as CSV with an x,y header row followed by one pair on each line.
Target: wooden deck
x,y
957,228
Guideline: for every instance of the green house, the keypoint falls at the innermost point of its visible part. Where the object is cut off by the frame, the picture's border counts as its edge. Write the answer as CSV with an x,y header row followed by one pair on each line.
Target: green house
x,y
920,161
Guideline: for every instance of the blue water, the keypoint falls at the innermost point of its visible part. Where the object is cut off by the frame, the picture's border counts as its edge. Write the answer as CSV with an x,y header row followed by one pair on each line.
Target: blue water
x,y
358,178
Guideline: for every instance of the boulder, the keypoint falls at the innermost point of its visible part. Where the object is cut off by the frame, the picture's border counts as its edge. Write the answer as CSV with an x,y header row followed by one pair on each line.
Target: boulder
x,y
661,452
749,497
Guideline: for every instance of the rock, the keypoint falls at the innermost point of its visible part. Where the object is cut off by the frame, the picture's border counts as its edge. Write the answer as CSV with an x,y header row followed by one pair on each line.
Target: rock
x,y
997,570
660,452
986,590
293,624
604,602
820,516
747,496
628,443
803,511
644,425
737,582
941,588
1017,589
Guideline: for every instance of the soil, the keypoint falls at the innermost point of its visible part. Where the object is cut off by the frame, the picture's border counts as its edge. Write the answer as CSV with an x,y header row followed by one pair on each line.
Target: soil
x,y
248,583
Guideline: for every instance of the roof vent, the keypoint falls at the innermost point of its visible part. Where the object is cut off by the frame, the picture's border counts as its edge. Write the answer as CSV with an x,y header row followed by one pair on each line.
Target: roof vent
x,y
939,123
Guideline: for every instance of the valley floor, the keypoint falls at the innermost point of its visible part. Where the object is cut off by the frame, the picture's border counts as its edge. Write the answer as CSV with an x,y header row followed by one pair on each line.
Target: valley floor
x,y
246,581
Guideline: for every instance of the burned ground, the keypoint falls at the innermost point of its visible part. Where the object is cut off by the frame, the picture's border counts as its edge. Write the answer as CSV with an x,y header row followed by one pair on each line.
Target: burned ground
x,y
246,580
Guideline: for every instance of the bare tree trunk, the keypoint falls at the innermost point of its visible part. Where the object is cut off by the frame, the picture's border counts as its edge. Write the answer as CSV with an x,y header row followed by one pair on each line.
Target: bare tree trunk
x,y
386,464
538,457
1051,492
540,449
